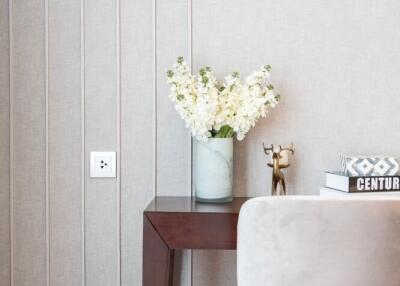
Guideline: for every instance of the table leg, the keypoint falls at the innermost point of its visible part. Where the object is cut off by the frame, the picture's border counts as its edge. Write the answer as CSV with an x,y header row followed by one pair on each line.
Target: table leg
x,y
158,258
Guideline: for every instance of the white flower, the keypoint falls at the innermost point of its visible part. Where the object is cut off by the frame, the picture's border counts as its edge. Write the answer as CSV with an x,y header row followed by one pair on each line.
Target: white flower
x,y
206,107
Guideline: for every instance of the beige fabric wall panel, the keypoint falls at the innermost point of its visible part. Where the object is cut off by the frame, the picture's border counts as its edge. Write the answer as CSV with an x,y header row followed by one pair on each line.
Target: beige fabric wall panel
x,y
331,62
28,84
137,134
101,194
4,145
214,267
65,164
173,139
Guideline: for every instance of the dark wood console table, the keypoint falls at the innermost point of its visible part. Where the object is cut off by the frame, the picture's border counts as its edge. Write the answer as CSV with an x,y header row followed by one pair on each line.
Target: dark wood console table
x,y
171,223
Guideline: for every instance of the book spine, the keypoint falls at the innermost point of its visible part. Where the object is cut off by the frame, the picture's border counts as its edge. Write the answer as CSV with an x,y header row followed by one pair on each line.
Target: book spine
x,y
374,184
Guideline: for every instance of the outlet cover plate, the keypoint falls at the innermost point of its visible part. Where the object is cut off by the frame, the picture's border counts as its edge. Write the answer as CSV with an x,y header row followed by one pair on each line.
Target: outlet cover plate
x,y
103,165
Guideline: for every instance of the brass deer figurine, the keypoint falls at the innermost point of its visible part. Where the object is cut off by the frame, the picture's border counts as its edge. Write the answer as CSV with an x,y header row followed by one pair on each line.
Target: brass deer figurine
x,y
277,175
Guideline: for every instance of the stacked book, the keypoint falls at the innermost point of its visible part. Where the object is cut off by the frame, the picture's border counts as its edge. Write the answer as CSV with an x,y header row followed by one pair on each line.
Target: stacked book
x,y
339,184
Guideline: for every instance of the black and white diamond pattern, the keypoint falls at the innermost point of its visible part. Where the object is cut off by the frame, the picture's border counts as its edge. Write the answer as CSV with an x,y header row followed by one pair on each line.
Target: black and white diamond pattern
x,y
369,166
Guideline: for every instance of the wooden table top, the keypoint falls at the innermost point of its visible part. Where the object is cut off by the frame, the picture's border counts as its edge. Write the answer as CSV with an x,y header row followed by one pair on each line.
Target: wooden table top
x,y
189,205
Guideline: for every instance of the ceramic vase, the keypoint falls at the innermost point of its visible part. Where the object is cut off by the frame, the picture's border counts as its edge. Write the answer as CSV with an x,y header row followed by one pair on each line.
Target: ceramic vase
x,y
214,170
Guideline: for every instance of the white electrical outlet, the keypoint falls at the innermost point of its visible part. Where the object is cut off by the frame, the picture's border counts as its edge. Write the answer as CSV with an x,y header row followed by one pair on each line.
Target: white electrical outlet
x,y
103,165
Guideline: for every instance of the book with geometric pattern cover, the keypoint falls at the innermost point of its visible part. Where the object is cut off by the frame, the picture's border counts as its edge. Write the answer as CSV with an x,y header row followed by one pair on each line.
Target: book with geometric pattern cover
x,y
338,181
369,165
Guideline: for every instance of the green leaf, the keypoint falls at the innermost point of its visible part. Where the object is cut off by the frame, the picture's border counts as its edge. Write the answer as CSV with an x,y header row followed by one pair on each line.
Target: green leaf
x,y
170,73
224,132
268,67
179,60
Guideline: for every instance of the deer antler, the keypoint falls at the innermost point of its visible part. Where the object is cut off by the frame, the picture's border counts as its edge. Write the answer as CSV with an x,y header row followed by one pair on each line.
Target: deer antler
x,y
290,149
267,150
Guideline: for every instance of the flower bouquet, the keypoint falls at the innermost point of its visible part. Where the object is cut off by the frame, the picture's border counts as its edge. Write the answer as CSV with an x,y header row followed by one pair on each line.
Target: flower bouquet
x,y
215,113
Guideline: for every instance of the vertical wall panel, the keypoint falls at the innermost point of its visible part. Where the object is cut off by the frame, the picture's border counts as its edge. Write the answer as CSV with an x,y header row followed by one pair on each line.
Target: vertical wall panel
x,y
28,81
4,145
137,150
101,135
173,139
334,45
65,143
214,267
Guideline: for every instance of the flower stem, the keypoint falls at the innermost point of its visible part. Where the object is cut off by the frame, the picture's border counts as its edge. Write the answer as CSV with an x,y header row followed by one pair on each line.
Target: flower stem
x,y
224,132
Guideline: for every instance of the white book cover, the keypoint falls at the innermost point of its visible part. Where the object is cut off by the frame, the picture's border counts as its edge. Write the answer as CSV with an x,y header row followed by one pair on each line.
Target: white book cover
x,y
329,192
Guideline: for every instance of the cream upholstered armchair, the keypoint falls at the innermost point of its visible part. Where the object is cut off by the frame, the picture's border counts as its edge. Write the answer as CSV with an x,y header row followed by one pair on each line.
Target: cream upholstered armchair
x,y
314,241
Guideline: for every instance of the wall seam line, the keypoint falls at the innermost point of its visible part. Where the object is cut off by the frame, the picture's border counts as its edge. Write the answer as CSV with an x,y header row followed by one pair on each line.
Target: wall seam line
x,y
47,177
155,141
190,60
82,70
118,50
11,139
190,46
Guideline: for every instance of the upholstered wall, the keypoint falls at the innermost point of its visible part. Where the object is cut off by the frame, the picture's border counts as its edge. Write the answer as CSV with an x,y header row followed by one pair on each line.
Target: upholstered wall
x,y
4,144
88,75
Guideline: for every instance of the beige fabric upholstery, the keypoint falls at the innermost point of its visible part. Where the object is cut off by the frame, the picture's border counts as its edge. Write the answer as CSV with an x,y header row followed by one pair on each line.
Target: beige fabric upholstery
x,y
314,241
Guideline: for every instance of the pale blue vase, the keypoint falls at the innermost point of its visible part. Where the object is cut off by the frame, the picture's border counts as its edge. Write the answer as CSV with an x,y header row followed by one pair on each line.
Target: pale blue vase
x,y
214,170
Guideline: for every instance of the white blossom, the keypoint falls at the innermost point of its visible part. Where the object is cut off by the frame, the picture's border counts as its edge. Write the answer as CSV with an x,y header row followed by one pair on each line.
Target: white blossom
x,y
206,106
